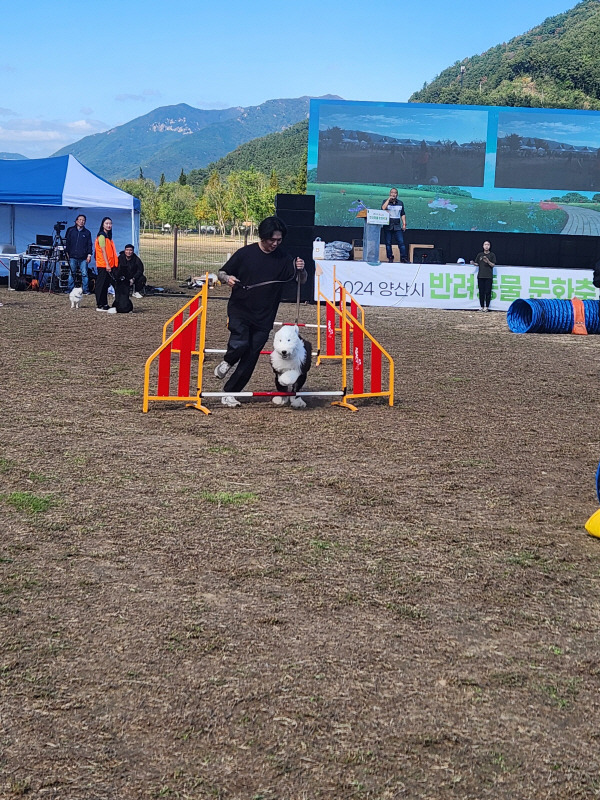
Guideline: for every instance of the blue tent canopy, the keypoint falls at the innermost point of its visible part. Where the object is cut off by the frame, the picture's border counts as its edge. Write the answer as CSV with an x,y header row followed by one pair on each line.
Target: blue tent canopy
x,y
37,193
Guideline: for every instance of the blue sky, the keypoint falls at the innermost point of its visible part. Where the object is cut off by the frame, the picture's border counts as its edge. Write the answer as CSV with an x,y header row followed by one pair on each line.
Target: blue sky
x,y
560,126
462,126
74,69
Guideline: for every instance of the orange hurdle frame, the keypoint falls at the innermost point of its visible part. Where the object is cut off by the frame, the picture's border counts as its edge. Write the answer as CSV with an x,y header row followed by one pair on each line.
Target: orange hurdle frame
x,y
350,324
188,339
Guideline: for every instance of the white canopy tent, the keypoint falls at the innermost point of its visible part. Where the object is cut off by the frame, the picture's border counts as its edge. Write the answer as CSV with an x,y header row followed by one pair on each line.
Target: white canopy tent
x,y
35,194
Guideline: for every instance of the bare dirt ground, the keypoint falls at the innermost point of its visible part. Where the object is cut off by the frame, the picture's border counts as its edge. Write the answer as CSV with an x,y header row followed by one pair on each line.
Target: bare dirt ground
x,y
269,604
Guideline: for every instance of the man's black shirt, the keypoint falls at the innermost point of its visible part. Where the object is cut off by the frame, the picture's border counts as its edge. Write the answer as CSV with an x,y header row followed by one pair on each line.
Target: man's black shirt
x,y
250,265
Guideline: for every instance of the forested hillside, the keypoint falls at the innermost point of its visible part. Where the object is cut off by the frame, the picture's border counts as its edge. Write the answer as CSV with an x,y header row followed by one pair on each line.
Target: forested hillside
x,y
172,138
554,65
283,152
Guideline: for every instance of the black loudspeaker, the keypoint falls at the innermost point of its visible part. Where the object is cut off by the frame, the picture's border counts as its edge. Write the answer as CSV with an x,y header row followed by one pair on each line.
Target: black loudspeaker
x,y
298,213
13,271
294,218
294,202
307,290
301,235
427,255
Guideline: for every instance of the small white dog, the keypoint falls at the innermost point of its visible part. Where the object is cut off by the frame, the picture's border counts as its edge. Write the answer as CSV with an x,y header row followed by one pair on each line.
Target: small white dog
x,y
75,296
291,360
198,281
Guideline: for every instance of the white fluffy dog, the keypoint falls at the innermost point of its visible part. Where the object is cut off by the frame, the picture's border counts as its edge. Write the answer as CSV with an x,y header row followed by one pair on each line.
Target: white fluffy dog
x,y
75,296
291,360
198,281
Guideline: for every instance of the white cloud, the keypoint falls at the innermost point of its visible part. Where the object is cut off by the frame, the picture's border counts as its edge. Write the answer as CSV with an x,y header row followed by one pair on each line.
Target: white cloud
x,y
84,126
29,136
39,137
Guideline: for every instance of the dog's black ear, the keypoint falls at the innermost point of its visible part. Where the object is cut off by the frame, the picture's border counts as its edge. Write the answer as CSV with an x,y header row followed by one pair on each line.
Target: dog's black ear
x,y
307,363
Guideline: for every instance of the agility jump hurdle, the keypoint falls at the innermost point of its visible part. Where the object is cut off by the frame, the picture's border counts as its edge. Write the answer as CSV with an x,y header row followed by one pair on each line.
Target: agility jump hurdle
x,y
184,341
334,314
345,338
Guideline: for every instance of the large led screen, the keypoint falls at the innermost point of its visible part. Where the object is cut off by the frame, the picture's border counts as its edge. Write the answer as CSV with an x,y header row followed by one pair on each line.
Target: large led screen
x,y
457,167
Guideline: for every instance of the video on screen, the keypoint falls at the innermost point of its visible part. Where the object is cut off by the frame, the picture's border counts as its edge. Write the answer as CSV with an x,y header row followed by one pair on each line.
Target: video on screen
x,y
547,152
464,168
401,146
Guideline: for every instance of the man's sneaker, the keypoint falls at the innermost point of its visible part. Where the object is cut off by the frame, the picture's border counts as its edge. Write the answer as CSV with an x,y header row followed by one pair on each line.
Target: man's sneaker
x,y
137,295
112,310
230,401
102,308
222,369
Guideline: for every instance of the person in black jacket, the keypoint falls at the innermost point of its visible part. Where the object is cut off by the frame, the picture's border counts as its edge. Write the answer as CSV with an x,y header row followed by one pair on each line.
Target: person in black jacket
x,y
256,274
129,269
135,262
78,244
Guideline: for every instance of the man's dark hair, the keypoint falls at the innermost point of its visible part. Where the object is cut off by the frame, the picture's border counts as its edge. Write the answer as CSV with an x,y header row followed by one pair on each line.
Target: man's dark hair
x,y
129,245
268,226
80,215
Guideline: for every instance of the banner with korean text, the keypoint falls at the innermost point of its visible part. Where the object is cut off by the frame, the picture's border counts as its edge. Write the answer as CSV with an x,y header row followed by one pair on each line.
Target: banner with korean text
x,y
451,285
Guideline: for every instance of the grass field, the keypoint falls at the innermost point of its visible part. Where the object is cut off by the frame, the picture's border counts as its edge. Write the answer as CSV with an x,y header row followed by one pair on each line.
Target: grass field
x,y
334,203
266,604
195,254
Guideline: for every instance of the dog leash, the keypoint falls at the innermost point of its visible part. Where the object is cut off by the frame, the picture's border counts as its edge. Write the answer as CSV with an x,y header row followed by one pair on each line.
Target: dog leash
x,y
297,299
267,283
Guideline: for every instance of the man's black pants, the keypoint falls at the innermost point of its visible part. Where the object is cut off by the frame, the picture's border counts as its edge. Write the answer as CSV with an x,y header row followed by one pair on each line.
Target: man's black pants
x,y
245,343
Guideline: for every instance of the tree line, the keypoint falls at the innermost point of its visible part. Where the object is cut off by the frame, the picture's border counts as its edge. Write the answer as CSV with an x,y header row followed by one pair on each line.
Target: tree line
x,y
234,192
240,199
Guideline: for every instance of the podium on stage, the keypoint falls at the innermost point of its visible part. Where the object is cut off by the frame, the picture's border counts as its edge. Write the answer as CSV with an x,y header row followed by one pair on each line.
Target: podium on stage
x,y
374,219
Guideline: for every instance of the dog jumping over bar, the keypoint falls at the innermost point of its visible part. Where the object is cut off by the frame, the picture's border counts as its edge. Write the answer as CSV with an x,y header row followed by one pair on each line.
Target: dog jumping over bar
x,y
291,360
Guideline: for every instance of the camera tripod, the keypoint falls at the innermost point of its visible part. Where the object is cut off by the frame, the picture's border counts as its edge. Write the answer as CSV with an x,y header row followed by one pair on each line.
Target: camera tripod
x,y
61,260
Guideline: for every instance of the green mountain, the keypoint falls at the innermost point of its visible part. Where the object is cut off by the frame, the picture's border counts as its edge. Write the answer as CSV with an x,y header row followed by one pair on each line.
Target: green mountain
x,y
175,137
554,65
284,152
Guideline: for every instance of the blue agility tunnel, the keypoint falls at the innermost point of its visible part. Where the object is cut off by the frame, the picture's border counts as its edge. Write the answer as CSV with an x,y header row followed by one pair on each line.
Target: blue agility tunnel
x,y
550,316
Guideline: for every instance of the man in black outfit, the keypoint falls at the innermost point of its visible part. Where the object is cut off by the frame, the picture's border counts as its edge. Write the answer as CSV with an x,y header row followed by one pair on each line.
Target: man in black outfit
x,y
256,274
396,228
78,245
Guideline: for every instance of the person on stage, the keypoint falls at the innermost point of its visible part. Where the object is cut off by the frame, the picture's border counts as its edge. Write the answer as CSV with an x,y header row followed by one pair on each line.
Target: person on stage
x,y
395,230
256,274
485,261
